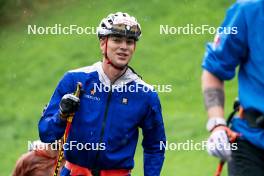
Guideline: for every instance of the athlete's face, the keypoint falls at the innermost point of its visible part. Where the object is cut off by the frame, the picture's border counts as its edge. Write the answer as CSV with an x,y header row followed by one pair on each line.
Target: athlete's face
x,y
119,49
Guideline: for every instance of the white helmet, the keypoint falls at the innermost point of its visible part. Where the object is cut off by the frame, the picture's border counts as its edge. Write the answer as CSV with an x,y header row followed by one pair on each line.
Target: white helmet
x,y
119,24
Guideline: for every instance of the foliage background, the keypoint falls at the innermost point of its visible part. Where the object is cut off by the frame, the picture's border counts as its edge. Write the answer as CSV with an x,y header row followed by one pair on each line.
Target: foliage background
x,y
31,66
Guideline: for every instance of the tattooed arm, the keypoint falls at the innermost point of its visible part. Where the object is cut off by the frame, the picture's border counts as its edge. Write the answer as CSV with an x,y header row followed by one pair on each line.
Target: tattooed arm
x,y
221,135
214,97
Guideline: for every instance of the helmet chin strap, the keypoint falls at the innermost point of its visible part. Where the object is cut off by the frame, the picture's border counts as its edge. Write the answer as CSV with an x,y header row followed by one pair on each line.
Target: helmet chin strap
x,y
109,61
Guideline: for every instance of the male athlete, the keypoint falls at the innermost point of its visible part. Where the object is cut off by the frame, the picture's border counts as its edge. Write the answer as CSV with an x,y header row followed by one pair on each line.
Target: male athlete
x,y
238,44
113,105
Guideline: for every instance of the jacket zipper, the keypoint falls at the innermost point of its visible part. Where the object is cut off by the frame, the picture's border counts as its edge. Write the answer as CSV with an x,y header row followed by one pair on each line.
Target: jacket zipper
x,y
103,124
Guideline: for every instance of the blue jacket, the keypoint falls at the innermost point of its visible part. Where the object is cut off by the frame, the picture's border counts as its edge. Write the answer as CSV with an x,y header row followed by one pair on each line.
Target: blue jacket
x,y
246,50
108,119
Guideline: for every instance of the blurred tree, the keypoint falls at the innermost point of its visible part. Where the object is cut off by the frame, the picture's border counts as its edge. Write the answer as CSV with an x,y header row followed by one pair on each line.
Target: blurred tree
x,y
13,10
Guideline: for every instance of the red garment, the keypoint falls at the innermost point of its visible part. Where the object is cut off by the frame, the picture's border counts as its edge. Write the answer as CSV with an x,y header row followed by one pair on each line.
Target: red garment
x,y
78,170
36,163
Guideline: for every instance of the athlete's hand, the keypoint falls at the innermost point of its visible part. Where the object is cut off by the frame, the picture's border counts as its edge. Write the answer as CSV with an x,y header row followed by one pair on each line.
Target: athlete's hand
x,y
68,105
219,142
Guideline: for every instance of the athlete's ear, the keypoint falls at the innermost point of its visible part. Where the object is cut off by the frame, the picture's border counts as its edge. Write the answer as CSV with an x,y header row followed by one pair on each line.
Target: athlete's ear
x,y
102,43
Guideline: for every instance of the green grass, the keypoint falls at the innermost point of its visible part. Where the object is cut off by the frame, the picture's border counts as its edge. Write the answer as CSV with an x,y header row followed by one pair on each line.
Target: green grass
x,y
31,66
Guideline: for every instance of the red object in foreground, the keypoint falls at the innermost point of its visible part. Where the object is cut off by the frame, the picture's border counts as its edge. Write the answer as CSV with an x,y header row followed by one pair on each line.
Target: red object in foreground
x,y
58,164
78,170
219,168
36,163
